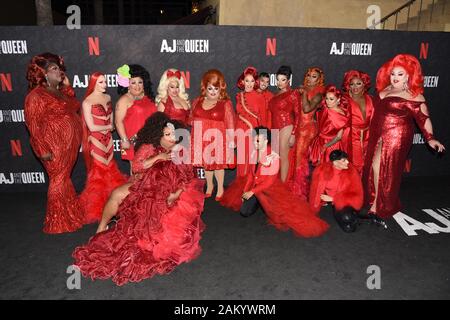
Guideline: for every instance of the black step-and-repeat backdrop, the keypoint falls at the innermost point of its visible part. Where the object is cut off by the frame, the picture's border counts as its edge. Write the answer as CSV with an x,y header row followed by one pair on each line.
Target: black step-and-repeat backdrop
x,y
195,49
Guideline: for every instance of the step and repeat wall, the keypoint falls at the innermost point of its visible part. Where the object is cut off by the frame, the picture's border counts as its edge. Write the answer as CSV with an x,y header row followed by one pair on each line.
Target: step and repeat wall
x,y
195,49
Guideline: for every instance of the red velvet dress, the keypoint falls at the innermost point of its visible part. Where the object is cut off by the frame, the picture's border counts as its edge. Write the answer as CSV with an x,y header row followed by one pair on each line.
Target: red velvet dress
x,y
359,131
55,127
306,132
102,177
135,119
330,123
284,210
150,237
175,113
255,103
393,126
285,111
210,145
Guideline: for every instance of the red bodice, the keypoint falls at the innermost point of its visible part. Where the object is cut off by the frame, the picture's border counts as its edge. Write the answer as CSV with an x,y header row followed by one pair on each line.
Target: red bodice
x,y
284,108
175,113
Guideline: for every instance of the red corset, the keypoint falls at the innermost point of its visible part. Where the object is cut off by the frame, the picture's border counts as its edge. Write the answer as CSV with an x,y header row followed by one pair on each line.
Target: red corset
x,y
101,117
175,113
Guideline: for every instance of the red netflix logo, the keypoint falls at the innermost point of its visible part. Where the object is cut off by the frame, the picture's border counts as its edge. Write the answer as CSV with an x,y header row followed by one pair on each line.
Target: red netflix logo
x,y
187,78
94,46
16,148
271,47
424,50
5,79
407,168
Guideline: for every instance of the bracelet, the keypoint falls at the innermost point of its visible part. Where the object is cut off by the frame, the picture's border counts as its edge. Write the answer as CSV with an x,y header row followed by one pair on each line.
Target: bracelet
x,y
124,140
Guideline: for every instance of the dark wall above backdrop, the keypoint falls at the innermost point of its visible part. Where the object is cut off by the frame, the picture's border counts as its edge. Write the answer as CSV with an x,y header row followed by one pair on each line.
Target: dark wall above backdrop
x,y
194,50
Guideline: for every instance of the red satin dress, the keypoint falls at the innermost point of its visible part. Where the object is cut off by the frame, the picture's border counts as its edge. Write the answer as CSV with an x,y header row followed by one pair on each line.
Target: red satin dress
x,y
135,119
210,148
55,126
392,126
150,237
175,113
285,111
284,210
330,123
306,132
359,131
103,175
245,102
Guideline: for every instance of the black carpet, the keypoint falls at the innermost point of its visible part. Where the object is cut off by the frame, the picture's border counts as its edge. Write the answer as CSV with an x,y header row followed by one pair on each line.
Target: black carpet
x,y
244,258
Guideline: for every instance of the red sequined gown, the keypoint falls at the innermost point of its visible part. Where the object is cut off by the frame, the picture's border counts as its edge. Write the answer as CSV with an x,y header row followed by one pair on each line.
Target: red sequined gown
x,y
255,103
393,126
175,113
306,132
150,237
55,127
285,111
330,123
103,175
284,209
135,119
359,131
210,145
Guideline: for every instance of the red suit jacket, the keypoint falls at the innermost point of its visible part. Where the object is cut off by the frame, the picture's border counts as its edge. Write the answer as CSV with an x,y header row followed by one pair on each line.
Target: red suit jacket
x,y
350,192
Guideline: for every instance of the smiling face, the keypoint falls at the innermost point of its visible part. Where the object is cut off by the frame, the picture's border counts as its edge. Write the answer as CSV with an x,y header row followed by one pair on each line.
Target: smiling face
x,y
282,81
168,140
212,92
263,83
331,100
399,77
249,83
136,87
356,86
100,85
173,89
312,78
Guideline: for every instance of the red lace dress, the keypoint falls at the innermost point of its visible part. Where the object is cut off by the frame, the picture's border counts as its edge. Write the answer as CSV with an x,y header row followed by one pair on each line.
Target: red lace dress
x,y
359,131
135,119
330,123
175,113
103,175
150,237
284,210
251,107
212,131
393,127
55,127
306,132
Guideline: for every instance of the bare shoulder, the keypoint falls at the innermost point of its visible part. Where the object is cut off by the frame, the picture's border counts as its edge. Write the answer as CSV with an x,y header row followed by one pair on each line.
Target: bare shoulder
x,y
124,101
419,98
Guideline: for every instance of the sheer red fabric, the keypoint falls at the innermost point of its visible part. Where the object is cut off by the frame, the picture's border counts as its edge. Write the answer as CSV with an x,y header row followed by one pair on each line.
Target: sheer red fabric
x,y
175,113
103,175
393,127
55,127
150,237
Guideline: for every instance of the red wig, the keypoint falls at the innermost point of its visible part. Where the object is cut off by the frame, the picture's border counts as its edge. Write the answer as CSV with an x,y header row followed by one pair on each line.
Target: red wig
x,y
37,67
248,71
352,74
216,78
412,67
92,82
321,81
343,103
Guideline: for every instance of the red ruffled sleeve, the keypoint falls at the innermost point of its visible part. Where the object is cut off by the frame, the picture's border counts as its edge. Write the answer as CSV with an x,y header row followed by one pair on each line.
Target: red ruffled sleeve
x,y
144,152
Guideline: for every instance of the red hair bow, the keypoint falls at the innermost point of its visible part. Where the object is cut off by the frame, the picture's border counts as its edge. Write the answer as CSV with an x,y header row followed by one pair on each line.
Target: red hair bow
x,y
174,74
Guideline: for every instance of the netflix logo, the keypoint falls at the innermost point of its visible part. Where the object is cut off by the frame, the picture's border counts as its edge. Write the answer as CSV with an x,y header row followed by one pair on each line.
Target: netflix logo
x,y
94,46
6,82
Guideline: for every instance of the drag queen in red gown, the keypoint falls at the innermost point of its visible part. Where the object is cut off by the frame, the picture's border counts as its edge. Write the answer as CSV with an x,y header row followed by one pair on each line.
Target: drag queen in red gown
x,y
398,103
134,106
103,175
285,110
356,84
284,210
172,98
334,126
212,136
311,96
159,226
51,116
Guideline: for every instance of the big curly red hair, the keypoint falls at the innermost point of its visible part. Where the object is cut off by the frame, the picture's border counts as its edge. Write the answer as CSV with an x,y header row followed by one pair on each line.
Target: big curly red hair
x,y
216,78
37,68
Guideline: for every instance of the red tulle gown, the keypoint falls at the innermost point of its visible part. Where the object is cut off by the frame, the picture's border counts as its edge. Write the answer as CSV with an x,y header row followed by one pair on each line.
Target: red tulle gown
x,y
103,175
55,127
175,113
285,110
306,132
392,126
135,119
330,123
150,237
359,131
284,209
210,148
247,102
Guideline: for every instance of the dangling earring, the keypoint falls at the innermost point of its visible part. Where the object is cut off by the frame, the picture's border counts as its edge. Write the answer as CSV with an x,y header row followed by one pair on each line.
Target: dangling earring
x,y
405,86
46,79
